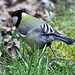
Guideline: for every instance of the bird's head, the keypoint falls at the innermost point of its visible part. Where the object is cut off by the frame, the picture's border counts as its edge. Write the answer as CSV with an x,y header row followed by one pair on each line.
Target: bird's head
x,y
17,16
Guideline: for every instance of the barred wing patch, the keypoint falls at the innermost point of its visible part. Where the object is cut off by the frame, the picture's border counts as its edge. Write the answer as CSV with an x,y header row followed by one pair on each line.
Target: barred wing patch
x,y
49,30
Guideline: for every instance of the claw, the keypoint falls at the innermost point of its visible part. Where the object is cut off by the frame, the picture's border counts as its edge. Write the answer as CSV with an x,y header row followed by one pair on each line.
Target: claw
x,y
58,57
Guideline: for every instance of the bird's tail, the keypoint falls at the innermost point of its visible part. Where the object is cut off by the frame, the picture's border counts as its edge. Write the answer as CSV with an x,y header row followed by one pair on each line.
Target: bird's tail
x,y
66,40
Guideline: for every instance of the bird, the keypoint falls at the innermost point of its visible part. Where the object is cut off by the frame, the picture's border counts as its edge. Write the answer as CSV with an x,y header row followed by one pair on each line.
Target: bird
x,y
36,29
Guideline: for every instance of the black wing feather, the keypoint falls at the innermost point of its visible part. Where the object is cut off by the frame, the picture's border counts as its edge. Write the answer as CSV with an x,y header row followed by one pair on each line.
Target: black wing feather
x,y
49,30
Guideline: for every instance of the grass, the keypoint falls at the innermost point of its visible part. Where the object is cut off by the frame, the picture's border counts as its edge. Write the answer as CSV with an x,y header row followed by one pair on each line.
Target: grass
x,y
36,65
40,63
67,25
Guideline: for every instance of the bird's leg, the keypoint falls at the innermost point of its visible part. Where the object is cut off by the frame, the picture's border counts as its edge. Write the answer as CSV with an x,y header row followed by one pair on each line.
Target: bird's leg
x,y
54,53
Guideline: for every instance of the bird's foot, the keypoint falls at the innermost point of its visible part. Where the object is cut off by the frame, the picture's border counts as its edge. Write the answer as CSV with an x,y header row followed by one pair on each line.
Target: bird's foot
x,y
58,57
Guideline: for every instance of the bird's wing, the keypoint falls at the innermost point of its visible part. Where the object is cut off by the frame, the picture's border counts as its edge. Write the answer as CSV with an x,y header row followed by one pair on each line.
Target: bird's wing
x,y
49,30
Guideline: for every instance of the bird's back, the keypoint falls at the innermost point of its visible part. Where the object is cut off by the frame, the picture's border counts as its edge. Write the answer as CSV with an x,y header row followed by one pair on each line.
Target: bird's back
x,y
28,23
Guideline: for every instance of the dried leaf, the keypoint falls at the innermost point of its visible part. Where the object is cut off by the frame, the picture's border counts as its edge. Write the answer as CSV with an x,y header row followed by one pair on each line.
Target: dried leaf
x,y
32,1
11,51
5,29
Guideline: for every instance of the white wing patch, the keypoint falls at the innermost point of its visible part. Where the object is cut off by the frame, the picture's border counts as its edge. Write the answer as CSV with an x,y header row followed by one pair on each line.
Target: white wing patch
x,y
47,28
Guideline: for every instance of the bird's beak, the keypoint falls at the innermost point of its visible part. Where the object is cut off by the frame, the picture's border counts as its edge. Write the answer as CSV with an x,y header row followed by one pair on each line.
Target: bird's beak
x,y
14,28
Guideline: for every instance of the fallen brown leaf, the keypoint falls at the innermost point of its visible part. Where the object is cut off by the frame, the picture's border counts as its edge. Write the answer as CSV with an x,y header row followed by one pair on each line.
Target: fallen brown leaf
x,y
5,29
